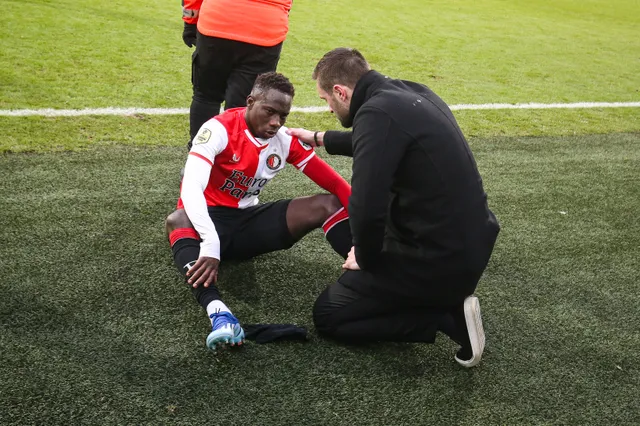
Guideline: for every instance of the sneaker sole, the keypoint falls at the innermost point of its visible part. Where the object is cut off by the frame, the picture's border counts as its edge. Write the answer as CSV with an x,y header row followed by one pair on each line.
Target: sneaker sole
x,y
214,339
473,319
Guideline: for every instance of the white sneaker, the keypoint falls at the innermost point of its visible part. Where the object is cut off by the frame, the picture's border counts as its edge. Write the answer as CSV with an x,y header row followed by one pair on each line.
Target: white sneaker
x,y
473,320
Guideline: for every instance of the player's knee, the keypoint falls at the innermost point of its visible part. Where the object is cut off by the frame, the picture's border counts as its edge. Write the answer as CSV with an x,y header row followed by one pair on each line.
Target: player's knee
x,y
333,205
176,220
326,206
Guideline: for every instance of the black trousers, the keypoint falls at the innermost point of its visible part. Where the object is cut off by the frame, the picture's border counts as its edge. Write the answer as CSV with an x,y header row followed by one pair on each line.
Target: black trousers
x,y
224,71
394,302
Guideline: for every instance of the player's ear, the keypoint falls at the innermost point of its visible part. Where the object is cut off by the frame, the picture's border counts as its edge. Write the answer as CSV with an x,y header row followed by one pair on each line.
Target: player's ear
x,y
250,101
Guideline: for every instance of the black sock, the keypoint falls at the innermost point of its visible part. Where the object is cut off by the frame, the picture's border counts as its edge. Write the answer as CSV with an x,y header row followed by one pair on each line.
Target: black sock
x,y
206,295
185,254
339,236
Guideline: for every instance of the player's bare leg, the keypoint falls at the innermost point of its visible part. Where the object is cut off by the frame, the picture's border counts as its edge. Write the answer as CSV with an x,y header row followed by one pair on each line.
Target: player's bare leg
x,y
177,219
323,210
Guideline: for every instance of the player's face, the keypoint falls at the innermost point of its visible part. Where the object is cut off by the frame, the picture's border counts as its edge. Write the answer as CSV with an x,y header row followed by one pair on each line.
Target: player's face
x,y
267,112
338,101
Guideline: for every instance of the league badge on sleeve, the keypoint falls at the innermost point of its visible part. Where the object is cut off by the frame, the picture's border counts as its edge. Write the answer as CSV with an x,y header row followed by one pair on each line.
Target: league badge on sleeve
x,y
305,145
202,137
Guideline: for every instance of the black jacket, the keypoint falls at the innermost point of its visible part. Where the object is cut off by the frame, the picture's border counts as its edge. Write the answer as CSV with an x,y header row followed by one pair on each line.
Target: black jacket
x,y
416,190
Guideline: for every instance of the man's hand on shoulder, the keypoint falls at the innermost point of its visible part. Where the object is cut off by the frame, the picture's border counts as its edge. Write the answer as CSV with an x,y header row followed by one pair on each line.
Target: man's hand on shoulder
x,y
314,139
203,272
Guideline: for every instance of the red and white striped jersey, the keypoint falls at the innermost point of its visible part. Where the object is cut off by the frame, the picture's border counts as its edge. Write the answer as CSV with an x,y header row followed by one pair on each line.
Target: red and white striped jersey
x,y
228,166
241,164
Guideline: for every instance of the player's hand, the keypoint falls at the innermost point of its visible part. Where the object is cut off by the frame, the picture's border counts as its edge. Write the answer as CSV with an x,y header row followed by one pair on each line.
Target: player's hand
x,y
351,263
203,272
307,136
189,34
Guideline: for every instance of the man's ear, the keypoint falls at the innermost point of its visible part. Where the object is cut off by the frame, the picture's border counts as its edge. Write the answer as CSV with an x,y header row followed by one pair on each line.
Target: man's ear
x,y
340,92
250,101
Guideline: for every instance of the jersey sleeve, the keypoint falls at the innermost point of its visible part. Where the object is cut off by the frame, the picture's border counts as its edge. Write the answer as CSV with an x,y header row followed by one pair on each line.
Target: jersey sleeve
x,y
327,178
191,11
209,142
300,153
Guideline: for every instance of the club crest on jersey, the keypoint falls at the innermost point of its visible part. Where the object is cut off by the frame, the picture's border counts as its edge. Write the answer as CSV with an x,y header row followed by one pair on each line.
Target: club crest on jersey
x,y
202,136
305,145
274,161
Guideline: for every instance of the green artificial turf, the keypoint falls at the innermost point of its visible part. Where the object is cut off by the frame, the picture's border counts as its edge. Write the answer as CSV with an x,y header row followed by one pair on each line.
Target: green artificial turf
x,y
97,328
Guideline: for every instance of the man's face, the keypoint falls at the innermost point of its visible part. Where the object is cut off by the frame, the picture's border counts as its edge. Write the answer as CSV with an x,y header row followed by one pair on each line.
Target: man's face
x,y
338,100
267,112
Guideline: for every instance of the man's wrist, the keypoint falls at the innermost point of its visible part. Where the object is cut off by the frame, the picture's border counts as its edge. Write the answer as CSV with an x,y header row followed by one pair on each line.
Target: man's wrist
x,y
318,138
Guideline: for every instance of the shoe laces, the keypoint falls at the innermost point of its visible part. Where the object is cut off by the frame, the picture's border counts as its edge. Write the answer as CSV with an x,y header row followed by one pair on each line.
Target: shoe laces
x,y
222,319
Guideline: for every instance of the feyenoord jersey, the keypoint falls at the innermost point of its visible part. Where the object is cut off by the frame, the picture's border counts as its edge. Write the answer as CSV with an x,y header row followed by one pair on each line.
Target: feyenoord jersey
x,y
241,164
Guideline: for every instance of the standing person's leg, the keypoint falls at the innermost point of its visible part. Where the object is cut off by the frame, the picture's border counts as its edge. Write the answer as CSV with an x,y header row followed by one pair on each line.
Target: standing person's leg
x,y
211,66
249,61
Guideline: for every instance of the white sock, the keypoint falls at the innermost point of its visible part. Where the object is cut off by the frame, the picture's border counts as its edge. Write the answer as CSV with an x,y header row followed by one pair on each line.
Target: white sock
x,y
216,307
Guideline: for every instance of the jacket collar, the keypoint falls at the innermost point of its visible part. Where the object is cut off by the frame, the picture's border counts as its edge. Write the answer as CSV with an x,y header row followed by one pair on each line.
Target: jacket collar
x,y
364,89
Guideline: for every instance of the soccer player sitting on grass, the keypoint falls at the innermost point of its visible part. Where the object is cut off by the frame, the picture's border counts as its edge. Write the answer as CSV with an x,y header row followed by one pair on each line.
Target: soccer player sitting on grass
x,y
233,157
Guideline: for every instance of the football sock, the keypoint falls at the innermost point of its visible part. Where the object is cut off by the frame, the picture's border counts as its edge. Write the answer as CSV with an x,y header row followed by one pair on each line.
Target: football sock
x,y
185,245
215,307
338,232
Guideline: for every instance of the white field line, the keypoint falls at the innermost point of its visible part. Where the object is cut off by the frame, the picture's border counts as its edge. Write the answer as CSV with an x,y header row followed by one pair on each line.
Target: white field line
x,y
49,112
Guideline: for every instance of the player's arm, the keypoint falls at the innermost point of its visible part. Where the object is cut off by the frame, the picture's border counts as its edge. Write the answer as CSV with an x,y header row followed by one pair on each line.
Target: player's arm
x,y
303,158
209,142
194,182
327,178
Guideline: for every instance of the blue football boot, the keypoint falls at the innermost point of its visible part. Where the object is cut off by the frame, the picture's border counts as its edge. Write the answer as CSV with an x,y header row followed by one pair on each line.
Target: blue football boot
x,y
225,329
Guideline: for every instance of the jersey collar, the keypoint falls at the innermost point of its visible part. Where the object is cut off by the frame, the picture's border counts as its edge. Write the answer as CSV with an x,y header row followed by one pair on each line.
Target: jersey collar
x,y
260,143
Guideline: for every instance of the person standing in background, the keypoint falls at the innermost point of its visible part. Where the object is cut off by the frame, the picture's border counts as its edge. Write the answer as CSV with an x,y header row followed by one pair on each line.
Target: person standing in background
x,y
235,40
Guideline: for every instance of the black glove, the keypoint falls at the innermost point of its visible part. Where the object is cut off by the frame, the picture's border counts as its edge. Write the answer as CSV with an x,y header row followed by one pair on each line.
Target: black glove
x,y
189,34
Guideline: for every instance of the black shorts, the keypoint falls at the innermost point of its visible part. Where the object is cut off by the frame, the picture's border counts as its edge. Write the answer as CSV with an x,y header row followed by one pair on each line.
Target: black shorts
x,y
246,233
